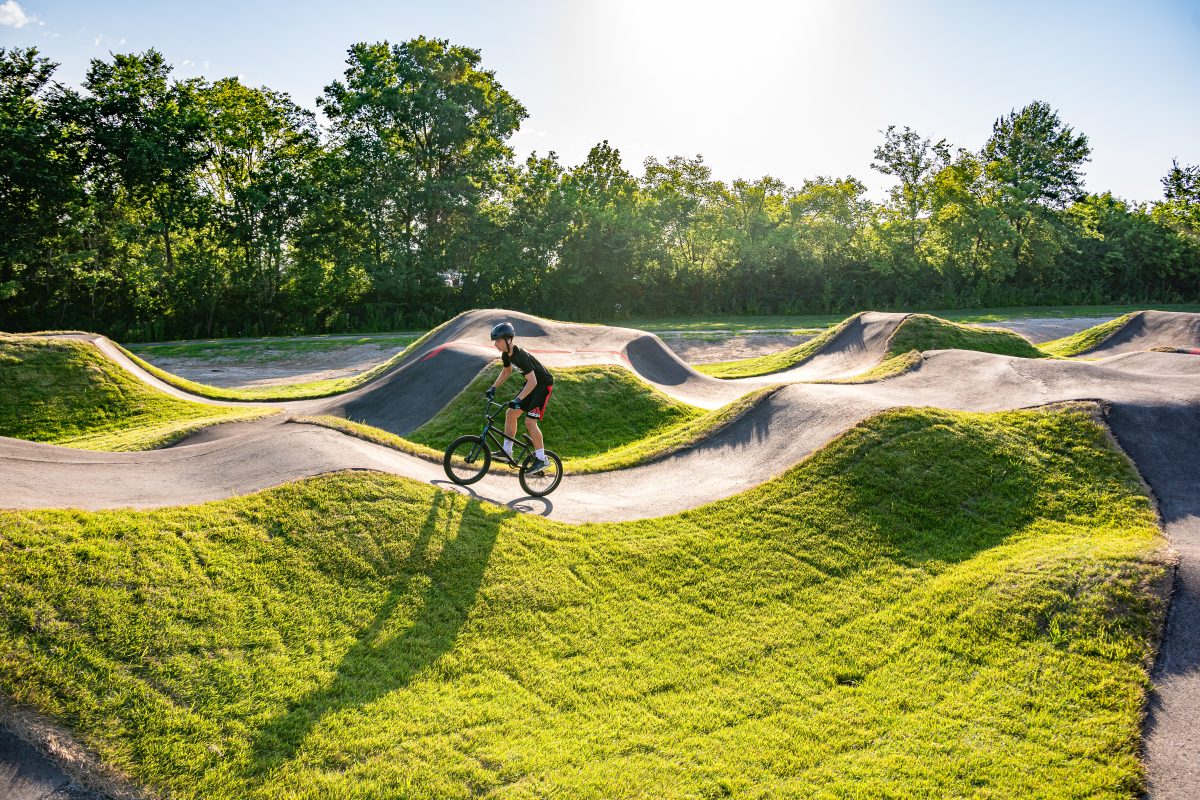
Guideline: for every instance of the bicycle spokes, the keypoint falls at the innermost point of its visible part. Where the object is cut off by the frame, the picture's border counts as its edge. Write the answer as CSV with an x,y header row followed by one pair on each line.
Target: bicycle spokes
x,y
541,481
466,460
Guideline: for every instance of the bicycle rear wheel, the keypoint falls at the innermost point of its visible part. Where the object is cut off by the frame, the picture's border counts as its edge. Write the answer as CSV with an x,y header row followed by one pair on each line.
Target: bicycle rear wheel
x,y
544,481
467,460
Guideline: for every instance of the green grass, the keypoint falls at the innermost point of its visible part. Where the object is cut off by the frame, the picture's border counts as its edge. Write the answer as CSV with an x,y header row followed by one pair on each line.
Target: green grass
x,y
732,324
919,332
655,445
740,323
68,393
287,391
265,350
1086,339
922,332
889,368
773,362
1057,312
936,605
591,411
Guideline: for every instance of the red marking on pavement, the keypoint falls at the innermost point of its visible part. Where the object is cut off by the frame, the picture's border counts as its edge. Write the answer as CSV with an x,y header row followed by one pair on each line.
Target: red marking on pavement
x,y
617,353
433,352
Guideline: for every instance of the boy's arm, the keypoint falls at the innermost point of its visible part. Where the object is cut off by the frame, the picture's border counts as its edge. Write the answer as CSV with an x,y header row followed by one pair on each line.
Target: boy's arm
x,y
530,382
504,373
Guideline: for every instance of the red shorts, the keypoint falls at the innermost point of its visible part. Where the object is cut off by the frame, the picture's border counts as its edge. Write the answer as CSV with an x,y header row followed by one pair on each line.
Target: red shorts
x,y
534,404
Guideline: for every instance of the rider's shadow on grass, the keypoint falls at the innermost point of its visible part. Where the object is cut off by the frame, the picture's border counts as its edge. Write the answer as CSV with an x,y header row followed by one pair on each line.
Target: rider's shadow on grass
x,y
383,659
540,506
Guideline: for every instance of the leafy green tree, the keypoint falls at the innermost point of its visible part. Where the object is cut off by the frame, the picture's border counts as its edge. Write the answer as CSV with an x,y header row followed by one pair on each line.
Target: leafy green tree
x,y
755,213
599,275
913,161
521,244
148,134
1180,207
687,209
967,238
262,147
1125,252
328,276
39,173
423,131
832,218
1034,164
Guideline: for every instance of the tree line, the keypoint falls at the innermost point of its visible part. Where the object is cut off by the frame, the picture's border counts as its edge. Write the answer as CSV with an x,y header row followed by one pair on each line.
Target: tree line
x,y
149,207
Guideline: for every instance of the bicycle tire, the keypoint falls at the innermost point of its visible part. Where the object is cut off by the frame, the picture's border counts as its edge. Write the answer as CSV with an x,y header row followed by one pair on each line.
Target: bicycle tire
x,y
474,452
541,485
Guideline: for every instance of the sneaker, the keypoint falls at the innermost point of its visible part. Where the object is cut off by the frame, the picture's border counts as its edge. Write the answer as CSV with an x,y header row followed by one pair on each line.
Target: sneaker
x,y
503,457
538,465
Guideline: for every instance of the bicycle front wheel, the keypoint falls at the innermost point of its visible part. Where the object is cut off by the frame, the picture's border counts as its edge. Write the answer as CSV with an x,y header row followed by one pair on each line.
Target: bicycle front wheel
x,y
541,482
467,460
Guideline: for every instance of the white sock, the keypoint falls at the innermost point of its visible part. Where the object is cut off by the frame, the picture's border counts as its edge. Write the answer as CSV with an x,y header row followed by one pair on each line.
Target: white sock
x,y
541,454
507,445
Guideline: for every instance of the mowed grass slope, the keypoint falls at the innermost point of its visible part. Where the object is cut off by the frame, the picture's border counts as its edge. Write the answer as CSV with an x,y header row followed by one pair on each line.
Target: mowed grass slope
x,y
591,411
922,332
1086,339
66,392
937,604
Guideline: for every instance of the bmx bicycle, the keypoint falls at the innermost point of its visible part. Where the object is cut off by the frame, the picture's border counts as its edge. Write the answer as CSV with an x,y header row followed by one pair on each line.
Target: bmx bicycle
x,y
468,458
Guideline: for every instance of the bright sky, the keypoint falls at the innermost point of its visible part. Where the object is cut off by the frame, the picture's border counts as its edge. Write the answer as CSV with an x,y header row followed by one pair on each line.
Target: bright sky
x,y
790,89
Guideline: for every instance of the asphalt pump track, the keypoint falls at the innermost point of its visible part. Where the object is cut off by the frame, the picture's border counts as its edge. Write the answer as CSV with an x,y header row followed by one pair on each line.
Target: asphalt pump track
x,y
1151,402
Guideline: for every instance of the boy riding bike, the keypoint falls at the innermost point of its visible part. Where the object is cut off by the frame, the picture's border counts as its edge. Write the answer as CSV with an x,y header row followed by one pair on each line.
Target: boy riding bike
x,y
531,399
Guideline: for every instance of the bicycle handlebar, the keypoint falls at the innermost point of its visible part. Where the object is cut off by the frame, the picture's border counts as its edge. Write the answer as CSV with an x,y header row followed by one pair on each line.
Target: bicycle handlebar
x,y
487,401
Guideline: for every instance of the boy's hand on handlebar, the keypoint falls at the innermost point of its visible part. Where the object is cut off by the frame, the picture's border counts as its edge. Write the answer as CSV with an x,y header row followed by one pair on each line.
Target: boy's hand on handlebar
x,y
491,393
514,403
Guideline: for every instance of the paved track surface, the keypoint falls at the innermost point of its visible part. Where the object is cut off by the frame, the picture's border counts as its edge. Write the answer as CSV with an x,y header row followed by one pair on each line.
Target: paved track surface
x,y
1152,401
1147,330
25,774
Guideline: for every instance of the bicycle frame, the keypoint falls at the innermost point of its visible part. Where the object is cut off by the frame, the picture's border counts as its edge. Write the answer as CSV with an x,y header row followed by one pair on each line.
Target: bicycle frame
x,y
493,436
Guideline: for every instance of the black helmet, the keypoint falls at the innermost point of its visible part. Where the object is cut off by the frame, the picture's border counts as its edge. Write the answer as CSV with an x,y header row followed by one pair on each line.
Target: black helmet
x,y
503,330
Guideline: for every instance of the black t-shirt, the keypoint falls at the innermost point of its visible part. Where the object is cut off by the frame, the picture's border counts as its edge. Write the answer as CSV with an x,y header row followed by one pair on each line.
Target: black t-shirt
x,y
527,363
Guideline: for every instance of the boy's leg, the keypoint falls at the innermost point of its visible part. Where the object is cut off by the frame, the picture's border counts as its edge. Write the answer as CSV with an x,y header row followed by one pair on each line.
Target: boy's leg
x,y
535,433
510,429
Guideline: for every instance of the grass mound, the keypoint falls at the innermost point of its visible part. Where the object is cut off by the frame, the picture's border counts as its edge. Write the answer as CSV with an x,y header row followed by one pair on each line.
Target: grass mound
x,y
918,332
591,411
889,368
774,362
1087,339
937,604
66,392
307,390
922,332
